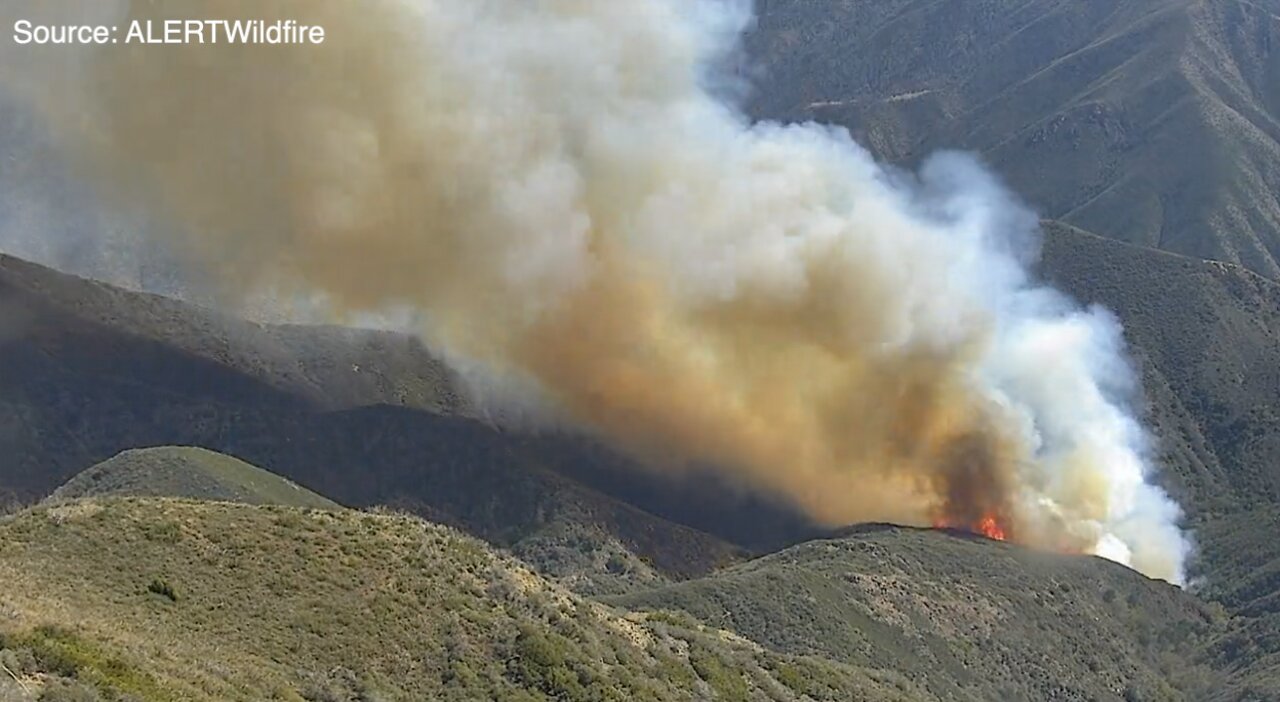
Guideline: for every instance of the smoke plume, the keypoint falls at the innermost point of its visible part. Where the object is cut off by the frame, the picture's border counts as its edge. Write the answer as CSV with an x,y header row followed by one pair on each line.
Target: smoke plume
x,y
557,189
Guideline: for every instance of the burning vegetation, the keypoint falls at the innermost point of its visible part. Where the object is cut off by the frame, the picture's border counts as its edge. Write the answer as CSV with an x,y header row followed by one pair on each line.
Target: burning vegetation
x,y
990,526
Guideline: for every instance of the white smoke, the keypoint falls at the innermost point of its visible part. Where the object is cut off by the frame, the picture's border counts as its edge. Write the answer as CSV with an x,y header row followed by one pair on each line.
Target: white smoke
x,y
560,192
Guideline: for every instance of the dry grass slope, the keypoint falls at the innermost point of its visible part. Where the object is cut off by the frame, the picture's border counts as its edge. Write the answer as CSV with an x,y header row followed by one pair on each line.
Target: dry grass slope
x,y
150,599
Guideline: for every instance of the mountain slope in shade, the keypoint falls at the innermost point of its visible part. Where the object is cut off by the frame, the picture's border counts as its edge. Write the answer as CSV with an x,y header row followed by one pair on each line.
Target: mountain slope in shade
x,y
92,370
1154,122
328,367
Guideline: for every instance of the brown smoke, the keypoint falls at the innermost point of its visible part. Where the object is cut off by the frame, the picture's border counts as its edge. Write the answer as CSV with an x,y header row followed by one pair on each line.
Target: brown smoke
x,y
552,187
847,433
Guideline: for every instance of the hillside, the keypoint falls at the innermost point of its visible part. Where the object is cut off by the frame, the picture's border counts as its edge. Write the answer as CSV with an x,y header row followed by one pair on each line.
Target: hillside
x,y
507,488
187,472
963,617
162,599
1154,122
1207,338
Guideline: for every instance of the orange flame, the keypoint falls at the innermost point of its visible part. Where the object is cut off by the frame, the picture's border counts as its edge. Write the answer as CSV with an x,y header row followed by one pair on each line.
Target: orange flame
x,y
989,525
991,528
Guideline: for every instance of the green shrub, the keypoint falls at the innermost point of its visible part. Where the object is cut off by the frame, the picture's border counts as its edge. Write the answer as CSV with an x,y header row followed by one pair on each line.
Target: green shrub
x,y
162,587
540,663
617,565
60,690
61,652
165,532
727,683
674,618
